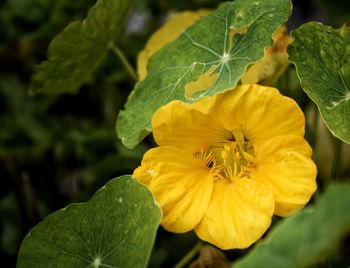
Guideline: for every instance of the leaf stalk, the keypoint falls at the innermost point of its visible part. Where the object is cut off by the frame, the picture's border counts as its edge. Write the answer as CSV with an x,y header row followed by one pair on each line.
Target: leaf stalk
x,y
189,256
124,61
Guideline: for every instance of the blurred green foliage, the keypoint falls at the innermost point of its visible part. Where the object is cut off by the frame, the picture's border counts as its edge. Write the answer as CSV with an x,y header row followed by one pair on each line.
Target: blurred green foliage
x,y
75,53
338,11
55,150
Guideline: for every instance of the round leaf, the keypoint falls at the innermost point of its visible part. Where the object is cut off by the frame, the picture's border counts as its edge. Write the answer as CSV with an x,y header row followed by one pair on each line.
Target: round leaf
x,y
321,56
116,228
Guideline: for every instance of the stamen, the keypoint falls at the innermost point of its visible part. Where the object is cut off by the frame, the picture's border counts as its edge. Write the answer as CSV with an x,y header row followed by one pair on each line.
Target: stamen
x,y
249,157
240,141
231,160
224,155
207,156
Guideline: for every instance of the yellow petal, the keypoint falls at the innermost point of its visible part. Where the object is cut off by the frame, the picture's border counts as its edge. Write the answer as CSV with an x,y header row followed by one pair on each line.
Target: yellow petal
x,y
284,165
181,183
261,112
274,63
187,126
238,214
167,33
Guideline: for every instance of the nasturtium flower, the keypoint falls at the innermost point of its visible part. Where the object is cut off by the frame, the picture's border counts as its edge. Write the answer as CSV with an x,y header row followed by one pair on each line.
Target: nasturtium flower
x,y
227,163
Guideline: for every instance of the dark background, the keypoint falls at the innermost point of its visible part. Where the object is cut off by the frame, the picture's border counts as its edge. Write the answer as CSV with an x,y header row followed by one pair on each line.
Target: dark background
x,y
55,150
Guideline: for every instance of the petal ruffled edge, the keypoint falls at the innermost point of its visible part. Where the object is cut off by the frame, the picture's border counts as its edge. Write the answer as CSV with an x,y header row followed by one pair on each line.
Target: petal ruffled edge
x,y
284,165
181,183
261,112
239,213
188,126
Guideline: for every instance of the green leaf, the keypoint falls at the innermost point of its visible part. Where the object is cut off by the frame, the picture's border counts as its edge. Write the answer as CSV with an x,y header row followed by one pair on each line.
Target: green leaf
x,y
205,47
321,56
116,228
307,237
77,51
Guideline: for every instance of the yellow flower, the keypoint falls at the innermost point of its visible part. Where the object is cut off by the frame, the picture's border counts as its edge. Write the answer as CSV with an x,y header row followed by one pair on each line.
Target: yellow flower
x,y
227,163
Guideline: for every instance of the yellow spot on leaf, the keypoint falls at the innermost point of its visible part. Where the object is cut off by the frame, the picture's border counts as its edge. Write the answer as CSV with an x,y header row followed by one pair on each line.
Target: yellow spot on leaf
x,y
274,63
202,83
233,32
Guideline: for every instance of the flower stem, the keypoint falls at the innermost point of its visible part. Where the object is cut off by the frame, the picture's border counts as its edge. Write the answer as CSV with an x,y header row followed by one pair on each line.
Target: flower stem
x,y
124,61
189,256
336,158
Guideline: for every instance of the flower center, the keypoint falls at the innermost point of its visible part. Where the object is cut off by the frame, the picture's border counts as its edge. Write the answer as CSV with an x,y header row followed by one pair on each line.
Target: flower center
x,y
232,159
